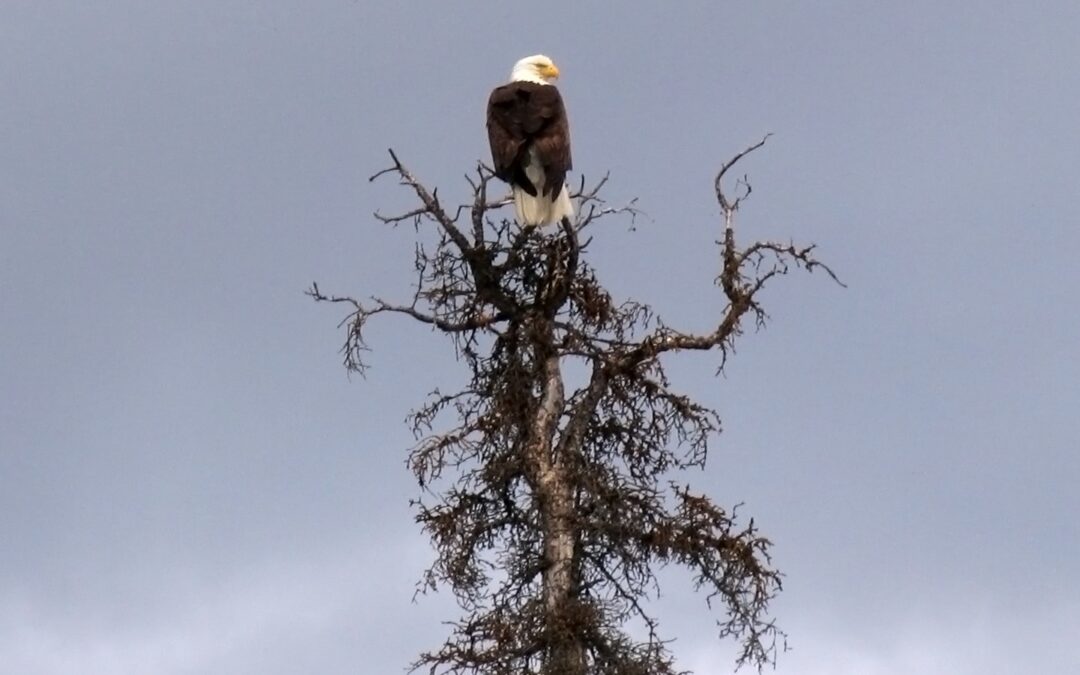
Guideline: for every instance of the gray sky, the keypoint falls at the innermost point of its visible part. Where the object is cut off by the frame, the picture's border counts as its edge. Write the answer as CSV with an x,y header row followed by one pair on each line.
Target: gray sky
x,y
189,484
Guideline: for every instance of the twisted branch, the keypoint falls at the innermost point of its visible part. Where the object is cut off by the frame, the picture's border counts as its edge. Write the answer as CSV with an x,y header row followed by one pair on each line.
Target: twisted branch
x,y
550,509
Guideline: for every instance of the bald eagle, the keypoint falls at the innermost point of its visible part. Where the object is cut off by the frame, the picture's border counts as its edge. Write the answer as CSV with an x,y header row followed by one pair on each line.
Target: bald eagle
x,y
530,141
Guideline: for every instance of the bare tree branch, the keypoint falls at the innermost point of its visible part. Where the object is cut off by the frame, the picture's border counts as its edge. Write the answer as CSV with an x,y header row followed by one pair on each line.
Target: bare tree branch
x,y
550,510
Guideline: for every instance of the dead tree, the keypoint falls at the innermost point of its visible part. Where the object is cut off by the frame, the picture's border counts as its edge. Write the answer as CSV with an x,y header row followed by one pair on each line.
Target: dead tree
x,y
550,510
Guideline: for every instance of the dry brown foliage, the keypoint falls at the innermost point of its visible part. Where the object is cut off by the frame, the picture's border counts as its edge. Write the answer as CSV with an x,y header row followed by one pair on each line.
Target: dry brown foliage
x,y
550,510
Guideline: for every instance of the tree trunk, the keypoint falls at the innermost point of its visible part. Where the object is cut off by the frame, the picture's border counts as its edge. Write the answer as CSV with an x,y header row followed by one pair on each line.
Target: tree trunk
x,y
566,654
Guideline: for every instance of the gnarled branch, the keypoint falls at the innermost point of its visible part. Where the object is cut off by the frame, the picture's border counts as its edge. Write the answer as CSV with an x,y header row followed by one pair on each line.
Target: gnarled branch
x,y
550,509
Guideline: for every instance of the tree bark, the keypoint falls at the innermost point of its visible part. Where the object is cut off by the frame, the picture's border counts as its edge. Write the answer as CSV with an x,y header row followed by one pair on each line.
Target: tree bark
x,y
566,653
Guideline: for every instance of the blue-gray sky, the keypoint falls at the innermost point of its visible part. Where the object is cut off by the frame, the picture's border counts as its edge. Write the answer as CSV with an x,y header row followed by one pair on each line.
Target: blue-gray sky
x,y
190,484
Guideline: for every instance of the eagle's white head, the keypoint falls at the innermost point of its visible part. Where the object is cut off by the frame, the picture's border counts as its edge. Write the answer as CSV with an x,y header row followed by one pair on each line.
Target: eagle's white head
x,y
539,69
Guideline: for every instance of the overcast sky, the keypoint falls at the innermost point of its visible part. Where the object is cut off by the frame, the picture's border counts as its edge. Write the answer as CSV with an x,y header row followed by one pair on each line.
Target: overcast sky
x,y
190,484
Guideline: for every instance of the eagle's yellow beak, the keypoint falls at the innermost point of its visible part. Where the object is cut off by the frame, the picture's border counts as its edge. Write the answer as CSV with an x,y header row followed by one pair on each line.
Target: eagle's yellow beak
x,y
549,71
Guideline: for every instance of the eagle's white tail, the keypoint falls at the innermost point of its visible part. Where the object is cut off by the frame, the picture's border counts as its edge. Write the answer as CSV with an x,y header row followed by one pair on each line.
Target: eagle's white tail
x,y
541,210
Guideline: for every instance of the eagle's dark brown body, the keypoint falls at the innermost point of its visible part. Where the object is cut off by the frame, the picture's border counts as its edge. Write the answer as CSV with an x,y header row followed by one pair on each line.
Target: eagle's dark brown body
x,y
527,122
